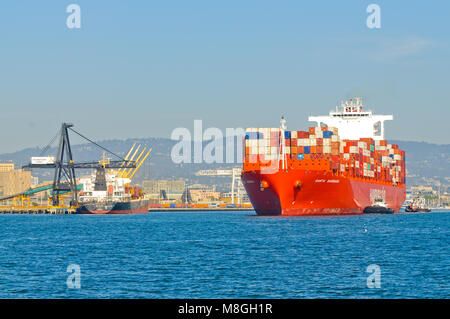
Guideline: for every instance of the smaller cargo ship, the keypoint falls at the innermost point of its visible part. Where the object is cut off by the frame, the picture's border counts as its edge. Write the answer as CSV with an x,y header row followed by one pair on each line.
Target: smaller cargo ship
x,y
110,192
138,206
106,193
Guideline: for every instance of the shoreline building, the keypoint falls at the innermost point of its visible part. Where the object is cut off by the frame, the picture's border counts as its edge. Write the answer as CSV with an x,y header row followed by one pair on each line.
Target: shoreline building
x,y
163,190
13,181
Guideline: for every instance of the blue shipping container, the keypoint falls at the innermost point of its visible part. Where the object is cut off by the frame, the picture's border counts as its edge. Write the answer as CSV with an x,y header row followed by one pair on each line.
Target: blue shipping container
x,y
307,150
300,156
287,134
254,135
327,134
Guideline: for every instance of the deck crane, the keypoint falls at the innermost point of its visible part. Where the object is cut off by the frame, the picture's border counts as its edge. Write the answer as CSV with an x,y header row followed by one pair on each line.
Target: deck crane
x,y
64,177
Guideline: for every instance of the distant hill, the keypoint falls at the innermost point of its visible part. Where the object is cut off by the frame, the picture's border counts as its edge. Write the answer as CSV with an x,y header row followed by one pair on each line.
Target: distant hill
x,y
424,161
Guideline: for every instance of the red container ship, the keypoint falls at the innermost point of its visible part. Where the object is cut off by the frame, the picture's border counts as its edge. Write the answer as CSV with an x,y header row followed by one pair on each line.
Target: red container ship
x,y
342,166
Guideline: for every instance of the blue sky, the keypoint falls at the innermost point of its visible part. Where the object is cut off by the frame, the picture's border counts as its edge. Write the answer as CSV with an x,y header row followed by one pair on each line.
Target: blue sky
x,y
143,68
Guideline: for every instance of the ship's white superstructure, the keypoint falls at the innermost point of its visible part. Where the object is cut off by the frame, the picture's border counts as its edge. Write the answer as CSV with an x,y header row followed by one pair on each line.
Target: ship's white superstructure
x,y
99,188
353,122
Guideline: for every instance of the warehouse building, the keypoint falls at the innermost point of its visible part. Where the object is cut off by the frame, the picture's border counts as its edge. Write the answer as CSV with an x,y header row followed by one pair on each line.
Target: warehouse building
x,y
156,186
13,181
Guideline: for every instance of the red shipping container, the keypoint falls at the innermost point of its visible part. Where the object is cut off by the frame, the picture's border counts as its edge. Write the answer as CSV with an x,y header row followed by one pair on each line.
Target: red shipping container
x,y
274,142
302,134
335,158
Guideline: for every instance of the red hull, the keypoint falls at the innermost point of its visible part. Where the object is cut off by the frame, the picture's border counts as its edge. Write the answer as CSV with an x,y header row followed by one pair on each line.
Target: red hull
x,y
301,193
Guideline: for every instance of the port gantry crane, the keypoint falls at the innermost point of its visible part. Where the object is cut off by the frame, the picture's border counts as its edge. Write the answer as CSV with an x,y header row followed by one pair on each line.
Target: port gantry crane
x,y
236,183
64,180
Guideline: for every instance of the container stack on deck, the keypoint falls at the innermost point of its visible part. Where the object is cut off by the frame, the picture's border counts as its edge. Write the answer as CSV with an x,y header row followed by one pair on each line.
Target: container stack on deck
x,y
320,148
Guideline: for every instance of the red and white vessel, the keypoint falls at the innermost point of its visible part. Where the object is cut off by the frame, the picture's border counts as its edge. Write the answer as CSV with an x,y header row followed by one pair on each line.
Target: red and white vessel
x,y
342,166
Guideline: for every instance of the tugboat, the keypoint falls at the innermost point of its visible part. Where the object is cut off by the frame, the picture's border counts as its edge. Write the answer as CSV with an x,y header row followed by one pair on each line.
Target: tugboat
x,y
379,207
417,206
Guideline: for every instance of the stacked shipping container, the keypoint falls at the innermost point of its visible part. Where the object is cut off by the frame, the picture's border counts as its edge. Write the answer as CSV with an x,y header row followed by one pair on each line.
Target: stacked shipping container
x,y
320,148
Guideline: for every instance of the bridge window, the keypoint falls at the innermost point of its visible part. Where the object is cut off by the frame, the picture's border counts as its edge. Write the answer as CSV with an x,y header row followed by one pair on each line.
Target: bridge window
x,y
377,129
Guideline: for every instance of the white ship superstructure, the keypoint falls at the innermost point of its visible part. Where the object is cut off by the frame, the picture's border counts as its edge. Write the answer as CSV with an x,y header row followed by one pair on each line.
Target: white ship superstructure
x,y
353,122
104,186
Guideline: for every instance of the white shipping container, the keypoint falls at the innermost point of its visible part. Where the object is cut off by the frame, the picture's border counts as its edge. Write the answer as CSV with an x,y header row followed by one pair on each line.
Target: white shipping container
x,y
253,150
264,143
43,160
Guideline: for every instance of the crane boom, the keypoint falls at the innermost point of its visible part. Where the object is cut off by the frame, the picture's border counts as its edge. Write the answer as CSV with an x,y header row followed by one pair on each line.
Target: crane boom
x,y
126,158
122,173
128,172
140,164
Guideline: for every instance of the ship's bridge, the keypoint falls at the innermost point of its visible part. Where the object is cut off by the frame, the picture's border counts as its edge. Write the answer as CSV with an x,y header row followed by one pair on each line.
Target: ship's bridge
x,y
353,122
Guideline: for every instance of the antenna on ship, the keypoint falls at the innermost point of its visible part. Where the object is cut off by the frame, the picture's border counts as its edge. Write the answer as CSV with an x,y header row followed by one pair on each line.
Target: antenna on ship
x,y
283,128
283,123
